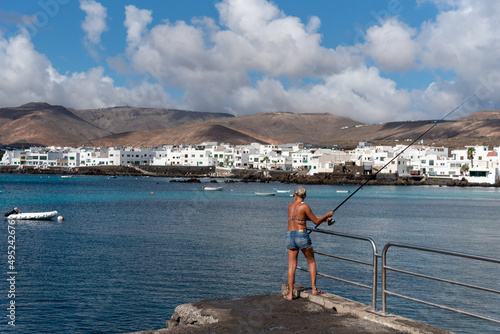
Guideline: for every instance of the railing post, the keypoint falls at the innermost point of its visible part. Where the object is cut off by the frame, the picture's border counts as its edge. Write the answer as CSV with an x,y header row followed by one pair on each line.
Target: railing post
x,y
375,280
384,282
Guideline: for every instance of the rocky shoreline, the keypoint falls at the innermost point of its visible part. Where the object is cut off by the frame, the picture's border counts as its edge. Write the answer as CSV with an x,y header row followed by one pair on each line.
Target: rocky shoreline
x,y
192,174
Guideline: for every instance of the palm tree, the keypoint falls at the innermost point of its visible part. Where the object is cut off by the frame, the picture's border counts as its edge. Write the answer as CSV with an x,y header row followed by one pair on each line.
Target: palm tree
x,y
266,160
464,169
470,155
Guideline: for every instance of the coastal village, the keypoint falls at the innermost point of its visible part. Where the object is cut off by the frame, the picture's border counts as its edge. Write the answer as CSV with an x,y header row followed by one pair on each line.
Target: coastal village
x,y
475,164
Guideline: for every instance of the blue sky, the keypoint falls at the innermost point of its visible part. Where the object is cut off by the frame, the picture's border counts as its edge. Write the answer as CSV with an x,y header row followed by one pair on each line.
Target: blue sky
x,y
372,61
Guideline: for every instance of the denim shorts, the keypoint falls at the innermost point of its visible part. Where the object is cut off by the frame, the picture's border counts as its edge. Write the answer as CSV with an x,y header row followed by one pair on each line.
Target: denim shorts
x,y
298,239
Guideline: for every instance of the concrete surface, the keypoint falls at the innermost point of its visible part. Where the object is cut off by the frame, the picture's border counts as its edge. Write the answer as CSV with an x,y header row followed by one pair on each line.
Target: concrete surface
x,y
272,313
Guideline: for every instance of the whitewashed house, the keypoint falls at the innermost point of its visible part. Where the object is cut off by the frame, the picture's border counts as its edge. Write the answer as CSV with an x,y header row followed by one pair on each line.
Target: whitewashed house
x,y
194,156
36,156
167,156
14,157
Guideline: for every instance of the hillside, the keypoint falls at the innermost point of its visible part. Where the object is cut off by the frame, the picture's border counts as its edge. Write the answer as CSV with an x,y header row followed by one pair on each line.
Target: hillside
x,y
39,123
268,127
188,134
126,119
44,124
320,129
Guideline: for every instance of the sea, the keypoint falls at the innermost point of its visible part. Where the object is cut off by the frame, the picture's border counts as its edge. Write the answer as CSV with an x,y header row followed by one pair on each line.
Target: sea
x,y
131,249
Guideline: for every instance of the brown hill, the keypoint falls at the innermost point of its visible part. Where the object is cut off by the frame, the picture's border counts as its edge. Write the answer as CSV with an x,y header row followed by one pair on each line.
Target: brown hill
x,y
288,127
126,119
188,134
481,128
482,115
268,127
44,124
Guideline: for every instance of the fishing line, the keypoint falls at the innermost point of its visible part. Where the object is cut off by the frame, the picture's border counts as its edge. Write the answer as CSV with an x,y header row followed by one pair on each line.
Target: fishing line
x,y
397,155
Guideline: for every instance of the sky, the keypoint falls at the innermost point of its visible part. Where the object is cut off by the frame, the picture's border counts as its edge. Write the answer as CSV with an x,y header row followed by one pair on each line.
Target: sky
x,y
371,61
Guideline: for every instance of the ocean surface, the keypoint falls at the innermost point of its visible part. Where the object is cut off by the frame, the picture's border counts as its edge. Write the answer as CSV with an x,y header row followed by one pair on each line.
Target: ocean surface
x,y
129,249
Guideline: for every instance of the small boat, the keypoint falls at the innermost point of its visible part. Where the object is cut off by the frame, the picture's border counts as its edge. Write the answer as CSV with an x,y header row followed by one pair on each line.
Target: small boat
x,y
17,215
66,176
282,191
212,188
264,194
343,191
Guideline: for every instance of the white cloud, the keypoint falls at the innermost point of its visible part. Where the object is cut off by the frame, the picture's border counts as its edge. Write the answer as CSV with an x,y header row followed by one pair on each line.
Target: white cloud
x,y
355,93
27,76
464,40
23,72
94,24
212,63
136,21
391,46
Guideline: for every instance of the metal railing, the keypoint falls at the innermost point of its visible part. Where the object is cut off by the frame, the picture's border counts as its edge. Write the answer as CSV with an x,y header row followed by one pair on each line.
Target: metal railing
x,y
373,263
386,268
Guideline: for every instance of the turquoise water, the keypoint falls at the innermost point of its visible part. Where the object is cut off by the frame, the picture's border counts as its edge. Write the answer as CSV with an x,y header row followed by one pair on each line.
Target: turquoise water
x,y
131,249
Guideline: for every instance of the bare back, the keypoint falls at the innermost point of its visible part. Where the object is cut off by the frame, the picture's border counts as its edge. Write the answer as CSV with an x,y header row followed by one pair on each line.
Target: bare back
x,y
297,215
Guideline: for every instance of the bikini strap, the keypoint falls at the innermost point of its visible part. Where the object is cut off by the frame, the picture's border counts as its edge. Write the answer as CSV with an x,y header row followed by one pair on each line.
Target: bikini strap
x,y
295,214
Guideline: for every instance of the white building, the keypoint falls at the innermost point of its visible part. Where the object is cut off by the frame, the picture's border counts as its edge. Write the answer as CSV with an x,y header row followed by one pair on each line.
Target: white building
x,y
482,166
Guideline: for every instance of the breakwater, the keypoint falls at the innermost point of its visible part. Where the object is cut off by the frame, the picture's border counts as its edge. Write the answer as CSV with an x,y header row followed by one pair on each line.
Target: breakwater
x,y
325,313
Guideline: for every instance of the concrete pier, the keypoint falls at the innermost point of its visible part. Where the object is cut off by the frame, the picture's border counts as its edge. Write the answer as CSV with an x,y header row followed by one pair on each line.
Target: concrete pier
x,y
307,313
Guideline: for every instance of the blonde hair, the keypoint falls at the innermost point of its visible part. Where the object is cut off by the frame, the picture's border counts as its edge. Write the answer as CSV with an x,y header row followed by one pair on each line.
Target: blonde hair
x,y
300,191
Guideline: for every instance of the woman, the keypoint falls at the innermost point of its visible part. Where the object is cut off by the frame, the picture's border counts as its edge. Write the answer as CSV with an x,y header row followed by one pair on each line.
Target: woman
x,y
298,238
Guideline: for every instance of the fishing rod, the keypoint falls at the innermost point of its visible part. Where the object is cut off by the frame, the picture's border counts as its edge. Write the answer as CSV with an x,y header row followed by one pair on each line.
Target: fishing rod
x,y
332,221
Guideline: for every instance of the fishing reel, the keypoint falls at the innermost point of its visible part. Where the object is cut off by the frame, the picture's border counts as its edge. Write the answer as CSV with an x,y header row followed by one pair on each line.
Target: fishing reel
x,y
330,221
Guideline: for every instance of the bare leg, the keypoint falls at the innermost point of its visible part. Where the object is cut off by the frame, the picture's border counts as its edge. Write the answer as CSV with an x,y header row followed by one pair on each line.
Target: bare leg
x,y
309,254
292,266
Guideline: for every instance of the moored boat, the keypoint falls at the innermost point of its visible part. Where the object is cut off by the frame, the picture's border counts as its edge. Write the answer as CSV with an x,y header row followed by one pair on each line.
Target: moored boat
x,y
282,191
264,194
17,215
212,188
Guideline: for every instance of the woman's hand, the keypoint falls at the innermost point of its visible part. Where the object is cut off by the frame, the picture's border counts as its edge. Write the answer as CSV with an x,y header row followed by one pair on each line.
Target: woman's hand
x,y
329,219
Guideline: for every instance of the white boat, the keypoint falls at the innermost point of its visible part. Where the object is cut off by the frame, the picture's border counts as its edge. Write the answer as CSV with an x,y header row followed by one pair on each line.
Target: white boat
x,y
212,188
33,215
264,194
342,191
282,191
66,176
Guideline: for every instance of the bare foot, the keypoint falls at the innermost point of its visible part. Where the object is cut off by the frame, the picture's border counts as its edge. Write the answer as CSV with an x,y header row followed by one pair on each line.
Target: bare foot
x,y
288,297
316,291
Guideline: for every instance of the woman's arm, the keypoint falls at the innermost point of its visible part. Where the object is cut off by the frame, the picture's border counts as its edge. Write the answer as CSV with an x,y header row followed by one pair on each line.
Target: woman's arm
x,y
312,217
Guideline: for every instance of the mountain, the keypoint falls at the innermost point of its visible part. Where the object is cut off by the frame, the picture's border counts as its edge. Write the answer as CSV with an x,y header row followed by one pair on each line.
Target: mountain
x,y
39,123
127,119
44,124
188,134
267,127
481,128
